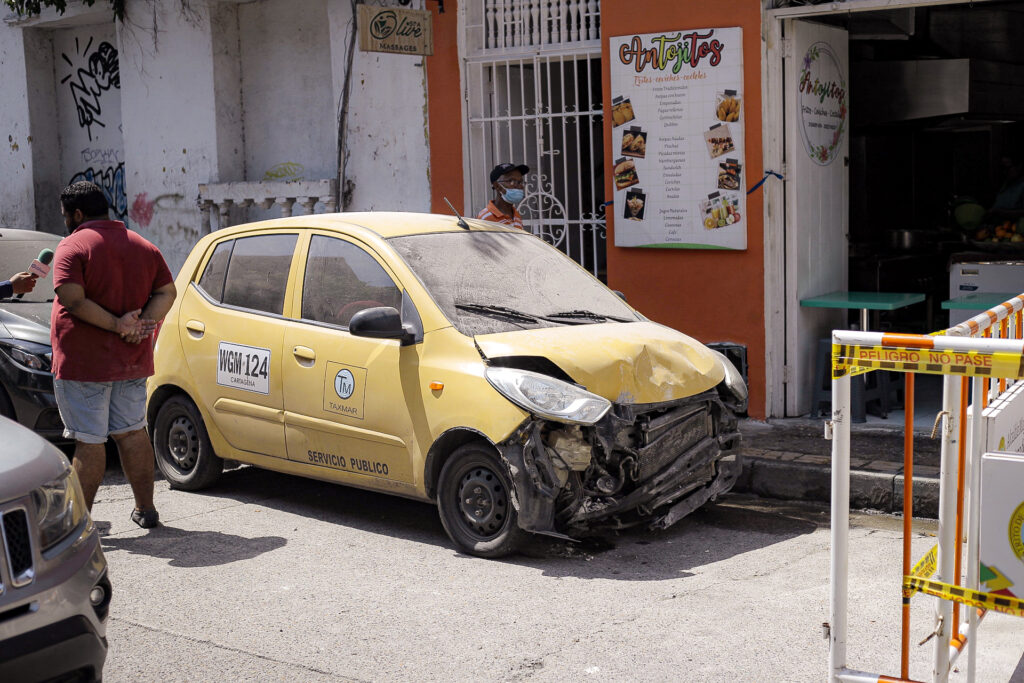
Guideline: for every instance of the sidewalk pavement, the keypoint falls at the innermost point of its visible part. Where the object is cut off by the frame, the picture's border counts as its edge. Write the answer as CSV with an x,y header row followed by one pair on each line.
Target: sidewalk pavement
x,y
791,459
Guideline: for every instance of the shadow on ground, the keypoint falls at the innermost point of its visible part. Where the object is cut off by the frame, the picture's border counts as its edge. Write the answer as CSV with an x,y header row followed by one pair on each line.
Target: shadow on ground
x,y
193,548
711,534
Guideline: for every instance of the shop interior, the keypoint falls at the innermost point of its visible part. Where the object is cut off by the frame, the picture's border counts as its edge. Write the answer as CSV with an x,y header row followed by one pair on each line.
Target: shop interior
x,y
936,114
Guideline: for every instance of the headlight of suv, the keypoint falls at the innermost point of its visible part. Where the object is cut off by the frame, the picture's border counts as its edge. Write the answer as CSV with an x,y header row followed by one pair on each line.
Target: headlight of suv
x,y
733,381
60,508
548,397
28,354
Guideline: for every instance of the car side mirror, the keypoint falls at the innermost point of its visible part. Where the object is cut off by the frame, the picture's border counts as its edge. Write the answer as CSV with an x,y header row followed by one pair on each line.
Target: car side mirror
x,y
382,322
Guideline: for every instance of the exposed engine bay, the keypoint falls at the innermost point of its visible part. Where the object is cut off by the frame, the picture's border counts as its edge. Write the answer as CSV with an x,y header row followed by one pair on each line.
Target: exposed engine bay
x,y
639,465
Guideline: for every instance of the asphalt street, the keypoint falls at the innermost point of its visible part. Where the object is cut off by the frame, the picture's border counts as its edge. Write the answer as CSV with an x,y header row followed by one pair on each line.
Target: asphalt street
x,y
271,577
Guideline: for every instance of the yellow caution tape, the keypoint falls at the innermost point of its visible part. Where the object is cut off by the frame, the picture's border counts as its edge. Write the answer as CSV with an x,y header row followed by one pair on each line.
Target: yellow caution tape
x,y
855,360
926,566
966,596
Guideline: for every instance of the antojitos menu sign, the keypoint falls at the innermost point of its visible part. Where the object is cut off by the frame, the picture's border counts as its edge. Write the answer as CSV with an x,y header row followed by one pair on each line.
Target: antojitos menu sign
x,y
677,139
395,30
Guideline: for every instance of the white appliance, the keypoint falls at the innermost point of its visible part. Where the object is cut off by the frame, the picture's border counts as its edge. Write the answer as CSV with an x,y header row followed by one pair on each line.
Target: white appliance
x,y
983,277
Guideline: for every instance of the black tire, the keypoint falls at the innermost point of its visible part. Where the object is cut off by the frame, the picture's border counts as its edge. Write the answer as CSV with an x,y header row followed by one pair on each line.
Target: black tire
x,y
183,450
474,499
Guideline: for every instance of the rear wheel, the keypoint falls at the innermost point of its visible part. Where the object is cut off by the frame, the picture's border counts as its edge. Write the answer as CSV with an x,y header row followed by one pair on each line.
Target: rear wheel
x,y
183,450
474,499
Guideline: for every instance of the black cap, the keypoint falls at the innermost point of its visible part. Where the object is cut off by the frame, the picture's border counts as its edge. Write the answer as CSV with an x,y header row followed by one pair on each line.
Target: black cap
x,y
502,169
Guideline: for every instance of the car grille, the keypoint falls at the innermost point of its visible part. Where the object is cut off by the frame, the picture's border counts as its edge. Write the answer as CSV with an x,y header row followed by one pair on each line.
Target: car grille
x,y
17,543
664,437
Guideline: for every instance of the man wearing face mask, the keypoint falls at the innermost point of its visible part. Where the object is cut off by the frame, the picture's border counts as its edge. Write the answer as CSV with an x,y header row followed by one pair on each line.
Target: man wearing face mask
x,y
507,181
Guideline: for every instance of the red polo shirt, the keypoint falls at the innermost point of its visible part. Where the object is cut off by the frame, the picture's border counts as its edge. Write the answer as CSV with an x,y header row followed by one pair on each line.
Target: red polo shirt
x,y
119,270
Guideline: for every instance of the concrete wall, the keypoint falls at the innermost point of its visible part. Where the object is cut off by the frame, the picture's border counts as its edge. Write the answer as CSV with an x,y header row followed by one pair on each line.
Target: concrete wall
x,y
209,92
17,205
87,87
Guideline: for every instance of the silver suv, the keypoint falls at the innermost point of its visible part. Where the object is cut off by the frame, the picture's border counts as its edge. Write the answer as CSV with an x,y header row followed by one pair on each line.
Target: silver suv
x,y
54,591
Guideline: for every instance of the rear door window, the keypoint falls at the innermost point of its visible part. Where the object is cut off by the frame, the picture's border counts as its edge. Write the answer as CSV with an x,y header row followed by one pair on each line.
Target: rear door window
x,y
257,272
212,280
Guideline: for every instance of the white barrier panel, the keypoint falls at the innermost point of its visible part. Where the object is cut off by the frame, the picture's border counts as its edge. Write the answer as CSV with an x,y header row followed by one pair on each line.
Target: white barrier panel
x,y
1002,524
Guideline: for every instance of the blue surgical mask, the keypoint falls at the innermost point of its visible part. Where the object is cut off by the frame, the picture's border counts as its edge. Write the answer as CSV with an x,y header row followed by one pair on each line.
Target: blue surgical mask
x,y
512,195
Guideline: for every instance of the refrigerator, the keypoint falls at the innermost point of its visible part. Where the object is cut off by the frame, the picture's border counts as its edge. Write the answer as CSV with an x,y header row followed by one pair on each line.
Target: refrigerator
x,y
983,277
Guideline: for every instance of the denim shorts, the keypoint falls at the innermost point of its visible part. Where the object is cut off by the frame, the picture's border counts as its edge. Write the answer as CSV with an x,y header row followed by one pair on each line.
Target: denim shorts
x,y
91,411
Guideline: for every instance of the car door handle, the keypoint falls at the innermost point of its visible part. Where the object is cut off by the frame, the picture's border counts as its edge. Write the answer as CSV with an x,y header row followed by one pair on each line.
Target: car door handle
x,y
195,328
304,353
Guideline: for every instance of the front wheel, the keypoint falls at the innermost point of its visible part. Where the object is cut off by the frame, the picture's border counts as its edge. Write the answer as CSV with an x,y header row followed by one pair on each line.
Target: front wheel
x,y
474,499
183,450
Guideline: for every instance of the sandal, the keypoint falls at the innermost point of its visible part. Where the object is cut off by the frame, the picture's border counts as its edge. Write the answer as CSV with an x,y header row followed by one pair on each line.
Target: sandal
x,y
146,519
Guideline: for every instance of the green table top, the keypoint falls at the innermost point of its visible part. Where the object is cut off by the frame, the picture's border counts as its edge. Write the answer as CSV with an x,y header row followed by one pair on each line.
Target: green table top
x,y
977,301
874,301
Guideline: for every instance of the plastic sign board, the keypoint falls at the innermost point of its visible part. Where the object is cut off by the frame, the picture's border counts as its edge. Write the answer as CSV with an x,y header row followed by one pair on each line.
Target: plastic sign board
x,y
1002,524
677,123
395,30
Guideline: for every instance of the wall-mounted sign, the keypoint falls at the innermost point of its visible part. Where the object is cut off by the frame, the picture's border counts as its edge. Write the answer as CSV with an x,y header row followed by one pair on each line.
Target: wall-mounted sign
x,y
822,102
677,132
395,30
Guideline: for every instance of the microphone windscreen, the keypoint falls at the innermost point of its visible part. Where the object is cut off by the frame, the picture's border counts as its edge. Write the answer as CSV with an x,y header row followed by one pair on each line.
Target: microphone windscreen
x,y
45,256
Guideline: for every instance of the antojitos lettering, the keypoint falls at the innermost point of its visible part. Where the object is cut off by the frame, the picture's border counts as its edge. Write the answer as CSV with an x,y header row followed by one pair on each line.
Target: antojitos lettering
x,y
822,89
672,51
352,464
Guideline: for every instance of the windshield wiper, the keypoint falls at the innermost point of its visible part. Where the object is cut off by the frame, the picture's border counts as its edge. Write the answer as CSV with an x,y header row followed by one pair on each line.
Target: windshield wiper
x,y
487,309
589,315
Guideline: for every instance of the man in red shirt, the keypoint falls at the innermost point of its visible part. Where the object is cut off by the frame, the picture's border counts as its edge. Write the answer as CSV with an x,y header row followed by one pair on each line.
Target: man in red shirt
x,y
507,182
113,287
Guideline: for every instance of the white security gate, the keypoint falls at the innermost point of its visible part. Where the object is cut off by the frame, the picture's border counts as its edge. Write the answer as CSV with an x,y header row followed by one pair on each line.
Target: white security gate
x,y
533,92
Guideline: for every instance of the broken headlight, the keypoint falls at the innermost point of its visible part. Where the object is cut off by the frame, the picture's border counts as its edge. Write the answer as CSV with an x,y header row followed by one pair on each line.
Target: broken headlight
x,y
548,397
733,382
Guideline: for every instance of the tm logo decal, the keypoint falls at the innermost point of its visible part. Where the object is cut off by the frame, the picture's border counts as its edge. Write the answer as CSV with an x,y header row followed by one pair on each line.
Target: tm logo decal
x,y
344,384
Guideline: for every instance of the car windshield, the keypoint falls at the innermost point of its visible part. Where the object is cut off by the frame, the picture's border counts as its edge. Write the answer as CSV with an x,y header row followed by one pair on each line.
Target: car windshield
x,y
488,282
15,257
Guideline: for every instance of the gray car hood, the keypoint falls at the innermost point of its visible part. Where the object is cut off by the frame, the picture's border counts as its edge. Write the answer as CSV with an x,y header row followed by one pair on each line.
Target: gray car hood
x,y
28,321
26,460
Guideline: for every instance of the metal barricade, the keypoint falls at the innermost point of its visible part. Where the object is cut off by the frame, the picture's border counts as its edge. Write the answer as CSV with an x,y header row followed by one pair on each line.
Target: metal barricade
x,y
987,352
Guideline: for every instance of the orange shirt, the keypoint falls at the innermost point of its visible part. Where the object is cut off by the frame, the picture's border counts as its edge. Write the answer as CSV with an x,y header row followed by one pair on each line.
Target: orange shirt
x,y
491,213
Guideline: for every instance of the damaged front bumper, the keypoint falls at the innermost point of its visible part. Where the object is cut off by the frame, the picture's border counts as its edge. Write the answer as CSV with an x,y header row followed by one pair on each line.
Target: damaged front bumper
x,y
651,464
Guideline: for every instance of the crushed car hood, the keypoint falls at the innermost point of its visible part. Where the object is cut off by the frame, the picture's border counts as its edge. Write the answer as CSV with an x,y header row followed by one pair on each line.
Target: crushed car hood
x,y
629,363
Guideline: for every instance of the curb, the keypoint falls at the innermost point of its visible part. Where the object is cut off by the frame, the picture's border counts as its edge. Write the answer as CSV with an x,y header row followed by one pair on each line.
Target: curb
x,y
873,485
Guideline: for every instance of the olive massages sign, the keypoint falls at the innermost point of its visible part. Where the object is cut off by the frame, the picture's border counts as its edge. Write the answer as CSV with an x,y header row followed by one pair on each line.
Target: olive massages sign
x,y
677,139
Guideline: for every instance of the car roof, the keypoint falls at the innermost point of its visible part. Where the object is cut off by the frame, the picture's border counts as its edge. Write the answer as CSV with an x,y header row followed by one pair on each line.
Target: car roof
x,y
14,234
384,224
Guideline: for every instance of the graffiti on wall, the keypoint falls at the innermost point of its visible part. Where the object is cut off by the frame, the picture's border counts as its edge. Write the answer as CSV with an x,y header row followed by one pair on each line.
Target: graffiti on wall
x,y
111,179
99,74
288,170
172,214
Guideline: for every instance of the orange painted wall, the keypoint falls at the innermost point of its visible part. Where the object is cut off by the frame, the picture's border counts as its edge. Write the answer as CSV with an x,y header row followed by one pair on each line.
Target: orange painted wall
x,y
710,295
444,110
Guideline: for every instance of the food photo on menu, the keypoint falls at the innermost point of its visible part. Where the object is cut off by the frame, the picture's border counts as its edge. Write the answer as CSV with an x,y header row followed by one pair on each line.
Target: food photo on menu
x,y
635,200
622,111
729,175
719,140
634,143
720,209
625,174
727,106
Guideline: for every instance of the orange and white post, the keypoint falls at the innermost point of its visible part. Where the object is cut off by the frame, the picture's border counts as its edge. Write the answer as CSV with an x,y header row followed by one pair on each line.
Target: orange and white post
x,y
986,351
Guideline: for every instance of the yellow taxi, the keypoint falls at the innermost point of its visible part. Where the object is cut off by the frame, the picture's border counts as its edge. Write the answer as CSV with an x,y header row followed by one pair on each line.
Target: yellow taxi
x,y
444,359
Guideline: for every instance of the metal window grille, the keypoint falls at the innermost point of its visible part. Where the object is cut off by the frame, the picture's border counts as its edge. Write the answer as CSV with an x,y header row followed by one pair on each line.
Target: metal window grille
x,y
533,92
